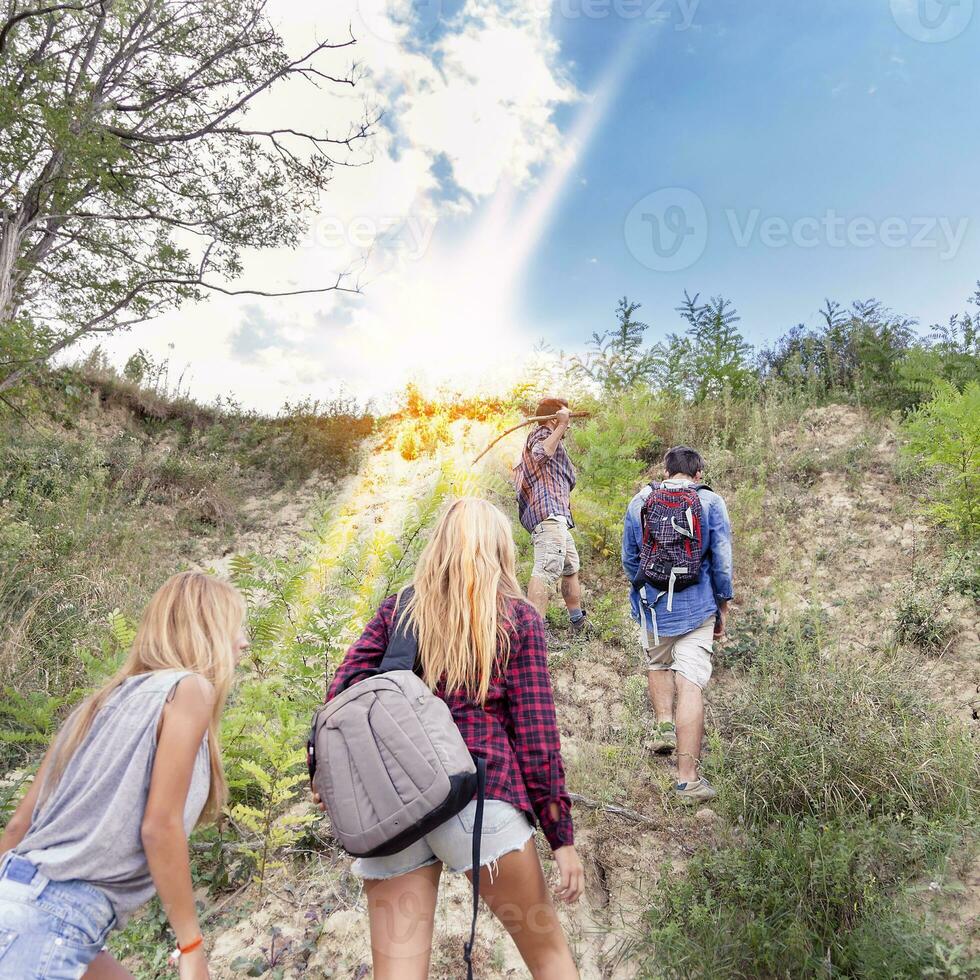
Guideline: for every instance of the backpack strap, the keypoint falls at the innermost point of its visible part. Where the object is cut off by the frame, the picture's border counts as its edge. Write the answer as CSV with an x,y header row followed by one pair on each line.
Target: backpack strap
x,y
481,784
403,646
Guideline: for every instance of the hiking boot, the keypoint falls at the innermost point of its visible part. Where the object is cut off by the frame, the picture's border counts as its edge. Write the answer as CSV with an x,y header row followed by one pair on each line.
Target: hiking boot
x,y
663,738
695,791
581,624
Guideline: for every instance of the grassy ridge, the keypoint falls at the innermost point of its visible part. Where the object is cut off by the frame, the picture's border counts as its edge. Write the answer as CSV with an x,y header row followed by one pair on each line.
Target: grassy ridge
x,y
842,783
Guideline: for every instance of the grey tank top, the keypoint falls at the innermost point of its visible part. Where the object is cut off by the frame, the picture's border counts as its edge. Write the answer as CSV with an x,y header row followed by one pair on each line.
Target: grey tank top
x,y
89,828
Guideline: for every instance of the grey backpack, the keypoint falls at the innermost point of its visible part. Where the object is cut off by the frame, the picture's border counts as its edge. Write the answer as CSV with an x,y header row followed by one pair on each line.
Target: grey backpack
x,y
389,763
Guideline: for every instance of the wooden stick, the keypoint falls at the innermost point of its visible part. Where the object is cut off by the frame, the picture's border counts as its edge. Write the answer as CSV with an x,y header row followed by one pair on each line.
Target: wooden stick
x,y
620,811
536,418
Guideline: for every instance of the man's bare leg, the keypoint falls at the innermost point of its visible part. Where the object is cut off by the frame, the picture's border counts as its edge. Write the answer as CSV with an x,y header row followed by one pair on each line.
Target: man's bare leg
x,y
571,591
690,728
539,594
660,684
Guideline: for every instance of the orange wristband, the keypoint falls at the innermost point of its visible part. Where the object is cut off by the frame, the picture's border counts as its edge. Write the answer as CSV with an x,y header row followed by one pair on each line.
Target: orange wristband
x,y
190,947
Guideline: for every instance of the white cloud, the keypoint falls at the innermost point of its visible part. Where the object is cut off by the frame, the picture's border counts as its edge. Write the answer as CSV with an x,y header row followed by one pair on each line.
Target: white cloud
x,y
468,165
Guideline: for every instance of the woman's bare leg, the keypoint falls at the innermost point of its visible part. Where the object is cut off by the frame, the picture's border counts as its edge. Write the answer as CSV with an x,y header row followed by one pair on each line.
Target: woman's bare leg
x,y
402,912
104,967
518,896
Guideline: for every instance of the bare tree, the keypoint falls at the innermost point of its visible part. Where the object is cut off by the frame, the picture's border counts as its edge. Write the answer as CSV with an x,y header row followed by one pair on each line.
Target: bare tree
x,y
130,179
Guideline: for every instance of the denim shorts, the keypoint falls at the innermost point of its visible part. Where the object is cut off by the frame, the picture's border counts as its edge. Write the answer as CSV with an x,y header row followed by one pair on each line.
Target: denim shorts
x,y
505,829
48,929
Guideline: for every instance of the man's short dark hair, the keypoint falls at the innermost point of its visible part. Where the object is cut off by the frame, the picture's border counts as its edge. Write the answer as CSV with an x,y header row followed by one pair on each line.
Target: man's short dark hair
x,y
550,406
684,461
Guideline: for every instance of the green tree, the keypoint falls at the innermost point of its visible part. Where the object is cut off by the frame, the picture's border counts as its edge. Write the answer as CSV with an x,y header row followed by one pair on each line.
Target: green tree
x,y
856,353
131,178
945,434
710,357
618,360
951,353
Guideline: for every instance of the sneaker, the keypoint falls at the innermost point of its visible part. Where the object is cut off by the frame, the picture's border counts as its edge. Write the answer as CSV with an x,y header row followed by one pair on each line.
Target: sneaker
x,y
695,791
581,624
663,739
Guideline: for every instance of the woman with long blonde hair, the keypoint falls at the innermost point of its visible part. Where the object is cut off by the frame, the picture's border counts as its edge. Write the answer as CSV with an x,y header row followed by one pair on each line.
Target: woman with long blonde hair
x,y
482,650
104,825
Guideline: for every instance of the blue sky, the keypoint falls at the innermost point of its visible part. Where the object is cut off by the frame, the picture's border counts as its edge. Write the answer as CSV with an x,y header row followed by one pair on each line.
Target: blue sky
x,y
797,110
538,160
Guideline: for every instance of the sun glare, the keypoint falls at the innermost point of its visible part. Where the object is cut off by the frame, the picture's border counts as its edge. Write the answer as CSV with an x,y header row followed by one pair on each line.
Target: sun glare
x,y
457,306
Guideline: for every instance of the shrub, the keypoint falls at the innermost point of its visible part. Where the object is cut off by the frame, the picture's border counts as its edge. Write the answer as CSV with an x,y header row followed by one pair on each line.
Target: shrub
x,y
945,435
961,572
795,900
920,623
808,734
618,361
855,354
322,436
711,358
605,449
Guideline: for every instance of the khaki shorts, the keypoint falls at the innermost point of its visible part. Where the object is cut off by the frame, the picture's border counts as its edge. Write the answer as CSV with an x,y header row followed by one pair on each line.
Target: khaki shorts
x,y
555,554
688,655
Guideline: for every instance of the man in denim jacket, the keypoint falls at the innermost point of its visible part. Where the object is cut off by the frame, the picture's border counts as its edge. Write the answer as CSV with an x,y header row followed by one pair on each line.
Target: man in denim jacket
x,y
677,643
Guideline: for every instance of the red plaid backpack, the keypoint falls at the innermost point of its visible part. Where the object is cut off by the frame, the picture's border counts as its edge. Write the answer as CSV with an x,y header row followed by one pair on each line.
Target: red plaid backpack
x,y
670,556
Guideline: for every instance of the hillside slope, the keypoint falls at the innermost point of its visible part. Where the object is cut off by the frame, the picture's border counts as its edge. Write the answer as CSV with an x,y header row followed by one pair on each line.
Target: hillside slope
x,y
848,654
836,533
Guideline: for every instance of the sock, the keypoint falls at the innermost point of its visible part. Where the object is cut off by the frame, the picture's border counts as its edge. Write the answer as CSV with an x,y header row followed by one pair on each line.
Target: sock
x,y
576,615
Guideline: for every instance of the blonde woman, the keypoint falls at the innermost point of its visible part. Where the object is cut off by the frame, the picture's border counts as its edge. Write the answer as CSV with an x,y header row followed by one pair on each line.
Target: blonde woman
x,y
482,650
104,825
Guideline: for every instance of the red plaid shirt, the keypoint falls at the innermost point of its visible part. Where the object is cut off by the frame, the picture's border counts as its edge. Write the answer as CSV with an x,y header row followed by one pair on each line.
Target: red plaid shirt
x,y
544,483
516,731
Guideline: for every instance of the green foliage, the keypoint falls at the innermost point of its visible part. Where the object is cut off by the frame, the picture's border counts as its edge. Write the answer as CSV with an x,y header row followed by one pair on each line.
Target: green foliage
x,y
273,757
808,735
322,436
146,938
951,353
961,572
794,899
944,434
64,526
123,196
872,356
851,789
712,357
605,448
920,622
27,724
618,360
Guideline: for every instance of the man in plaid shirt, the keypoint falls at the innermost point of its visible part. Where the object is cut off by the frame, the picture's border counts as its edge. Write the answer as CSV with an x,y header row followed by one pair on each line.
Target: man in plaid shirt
x,y
544,479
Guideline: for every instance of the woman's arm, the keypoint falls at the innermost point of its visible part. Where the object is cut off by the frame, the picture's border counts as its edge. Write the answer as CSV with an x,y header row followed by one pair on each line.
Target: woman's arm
x,y
184,724
20,822
367,653
534,729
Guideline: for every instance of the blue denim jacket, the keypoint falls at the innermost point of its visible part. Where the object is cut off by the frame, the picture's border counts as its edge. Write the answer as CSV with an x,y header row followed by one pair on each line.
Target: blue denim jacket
x,y
696,603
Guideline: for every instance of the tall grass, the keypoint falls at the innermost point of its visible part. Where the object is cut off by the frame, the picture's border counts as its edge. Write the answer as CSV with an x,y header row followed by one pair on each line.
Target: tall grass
x,y
811,732
848,787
